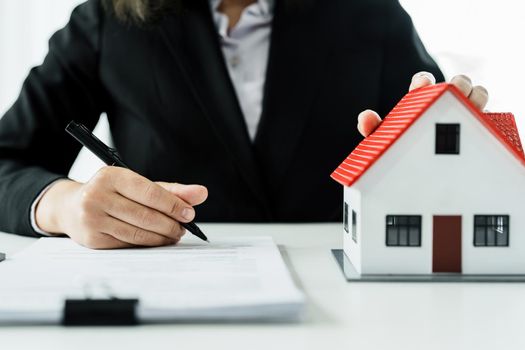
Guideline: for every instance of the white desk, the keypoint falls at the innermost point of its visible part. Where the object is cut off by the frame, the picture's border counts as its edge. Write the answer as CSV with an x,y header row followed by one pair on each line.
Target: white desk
x,y
340,315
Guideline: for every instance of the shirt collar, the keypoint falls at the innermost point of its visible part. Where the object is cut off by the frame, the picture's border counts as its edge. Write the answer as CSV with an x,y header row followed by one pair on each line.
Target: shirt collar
x,y
262,8
266,6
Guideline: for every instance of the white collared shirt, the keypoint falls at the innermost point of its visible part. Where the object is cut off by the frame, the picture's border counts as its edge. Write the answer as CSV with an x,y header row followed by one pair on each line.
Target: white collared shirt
x,y
246,47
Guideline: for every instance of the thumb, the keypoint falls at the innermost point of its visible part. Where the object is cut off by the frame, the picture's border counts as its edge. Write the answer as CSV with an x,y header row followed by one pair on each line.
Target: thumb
x,y
367,122
191,194
422,79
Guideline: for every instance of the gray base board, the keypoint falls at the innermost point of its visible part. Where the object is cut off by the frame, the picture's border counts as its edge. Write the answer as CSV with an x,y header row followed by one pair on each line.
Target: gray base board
x,y
352,275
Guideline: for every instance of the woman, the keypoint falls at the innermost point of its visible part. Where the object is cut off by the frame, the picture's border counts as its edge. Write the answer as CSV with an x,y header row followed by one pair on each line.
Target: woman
x,y
255,101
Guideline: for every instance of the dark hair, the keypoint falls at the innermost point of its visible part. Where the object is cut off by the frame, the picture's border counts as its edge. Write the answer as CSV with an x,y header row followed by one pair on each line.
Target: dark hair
x,y
148,11
140,11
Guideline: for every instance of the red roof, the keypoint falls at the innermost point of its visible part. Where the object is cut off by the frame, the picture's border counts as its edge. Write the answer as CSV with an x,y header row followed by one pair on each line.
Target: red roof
x,y
407,111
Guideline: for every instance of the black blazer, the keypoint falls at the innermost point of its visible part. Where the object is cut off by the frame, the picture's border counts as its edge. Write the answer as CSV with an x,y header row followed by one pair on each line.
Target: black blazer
x,y
174,114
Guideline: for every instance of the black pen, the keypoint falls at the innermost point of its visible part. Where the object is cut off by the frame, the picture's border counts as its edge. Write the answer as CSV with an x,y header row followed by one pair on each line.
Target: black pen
x,y
110,156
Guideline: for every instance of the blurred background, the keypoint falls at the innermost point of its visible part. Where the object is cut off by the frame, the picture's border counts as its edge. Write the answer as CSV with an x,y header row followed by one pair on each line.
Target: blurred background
x,y
482,39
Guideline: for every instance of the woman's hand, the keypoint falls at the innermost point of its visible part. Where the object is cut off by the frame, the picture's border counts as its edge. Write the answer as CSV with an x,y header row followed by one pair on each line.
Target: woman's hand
x,y
368,120
118,208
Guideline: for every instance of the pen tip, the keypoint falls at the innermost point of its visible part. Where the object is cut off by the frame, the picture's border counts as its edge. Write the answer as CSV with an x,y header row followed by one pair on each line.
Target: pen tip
x,y
208,241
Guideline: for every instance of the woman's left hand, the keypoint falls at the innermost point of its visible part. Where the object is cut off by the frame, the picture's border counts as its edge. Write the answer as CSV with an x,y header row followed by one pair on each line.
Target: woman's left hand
x,y
368,120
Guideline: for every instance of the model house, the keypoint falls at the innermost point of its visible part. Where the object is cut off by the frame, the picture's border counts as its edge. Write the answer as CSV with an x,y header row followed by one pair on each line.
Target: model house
x,y
438,187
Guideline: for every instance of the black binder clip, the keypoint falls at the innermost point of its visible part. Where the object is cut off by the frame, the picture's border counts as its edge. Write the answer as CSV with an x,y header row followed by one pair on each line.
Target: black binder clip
x,y
2,257
100,312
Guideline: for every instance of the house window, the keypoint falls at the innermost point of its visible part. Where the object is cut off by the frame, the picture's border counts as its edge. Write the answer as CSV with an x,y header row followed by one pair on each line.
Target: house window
x,y
345,218
491,230
403,230
354,226
447,138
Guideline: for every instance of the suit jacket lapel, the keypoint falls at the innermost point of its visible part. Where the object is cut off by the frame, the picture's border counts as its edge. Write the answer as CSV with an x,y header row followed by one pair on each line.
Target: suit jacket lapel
x,y
192,39
292,79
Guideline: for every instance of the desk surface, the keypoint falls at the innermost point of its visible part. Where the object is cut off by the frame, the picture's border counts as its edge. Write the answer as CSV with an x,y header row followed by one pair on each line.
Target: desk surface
x,y
340,315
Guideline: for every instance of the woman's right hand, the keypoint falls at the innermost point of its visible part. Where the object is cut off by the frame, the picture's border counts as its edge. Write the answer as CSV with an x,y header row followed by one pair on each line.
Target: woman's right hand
x,y
118,208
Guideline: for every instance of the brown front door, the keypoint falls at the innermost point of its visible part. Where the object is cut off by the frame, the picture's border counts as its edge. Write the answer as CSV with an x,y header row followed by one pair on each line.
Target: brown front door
x,y
446,244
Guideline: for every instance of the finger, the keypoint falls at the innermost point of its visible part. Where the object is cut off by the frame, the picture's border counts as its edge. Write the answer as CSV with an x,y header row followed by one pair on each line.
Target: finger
x,y
367,122
191,194
422,79
150,194
103,241
479,97
141,216
463,83
128,233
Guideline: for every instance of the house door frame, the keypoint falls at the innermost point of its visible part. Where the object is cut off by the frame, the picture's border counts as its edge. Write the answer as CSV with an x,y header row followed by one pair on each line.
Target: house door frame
x,y
446,244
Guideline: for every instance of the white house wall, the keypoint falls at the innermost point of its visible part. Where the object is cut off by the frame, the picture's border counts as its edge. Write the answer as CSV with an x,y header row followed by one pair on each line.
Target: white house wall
x,y
352,249
410,179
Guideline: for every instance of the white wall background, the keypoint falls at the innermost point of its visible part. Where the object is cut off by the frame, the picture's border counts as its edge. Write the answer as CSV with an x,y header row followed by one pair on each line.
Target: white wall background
x,y
480,38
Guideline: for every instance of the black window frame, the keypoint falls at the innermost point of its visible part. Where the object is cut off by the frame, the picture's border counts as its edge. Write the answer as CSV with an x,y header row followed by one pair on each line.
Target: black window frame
x,y
405,222
345,217
354,226
490,222
448,136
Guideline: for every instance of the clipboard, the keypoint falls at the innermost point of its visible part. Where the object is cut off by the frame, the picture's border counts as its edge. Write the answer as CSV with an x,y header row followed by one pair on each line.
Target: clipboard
x,y
56,281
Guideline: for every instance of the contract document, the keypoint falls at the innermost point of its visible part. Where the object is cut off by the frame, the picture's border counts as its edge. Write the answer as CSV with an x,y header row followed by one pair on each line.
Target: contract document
x,y
243,278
